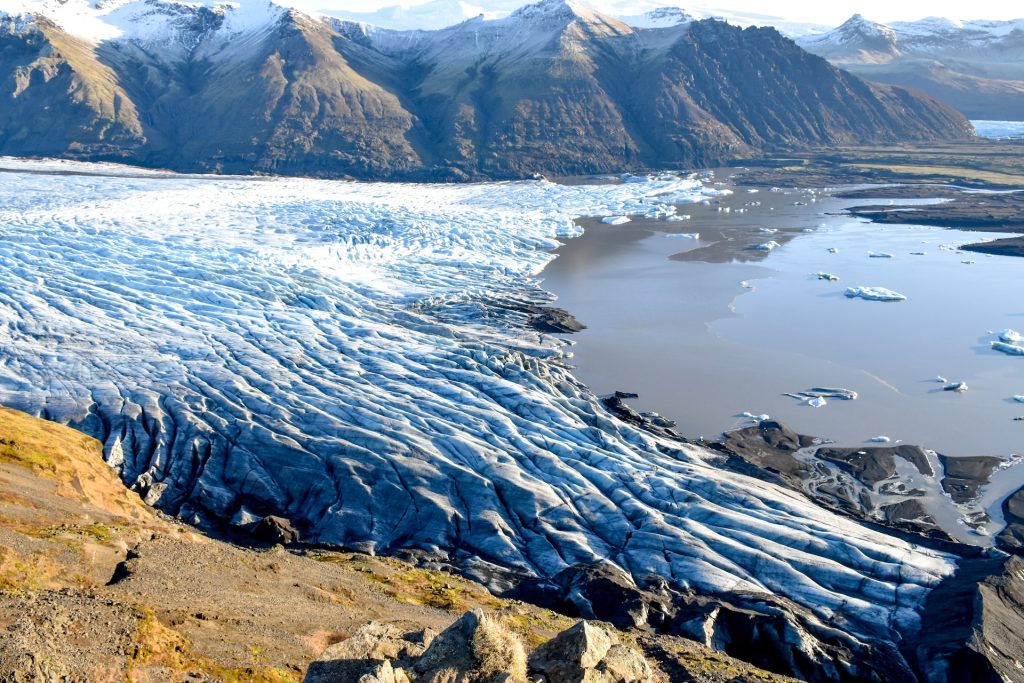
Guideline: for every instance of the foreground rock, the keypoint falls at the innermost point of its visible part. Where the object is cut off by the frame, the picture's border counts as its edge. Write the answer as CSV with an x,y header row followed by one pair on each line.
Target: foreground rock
x,y
479,648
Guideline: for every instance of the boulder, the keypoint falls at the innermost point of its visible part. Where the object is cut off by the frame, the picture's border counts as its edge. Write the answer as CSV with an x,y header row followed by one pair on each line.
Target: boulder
x,y
475,649
588,653
376,653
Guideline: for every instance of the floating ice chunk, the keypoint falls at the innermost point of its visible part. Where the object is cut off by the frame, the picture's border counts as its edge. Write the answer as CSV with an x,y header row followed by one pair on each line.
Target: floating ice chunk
x,y
752,191
958,387
767,246
755,418
615,220
828,276
825,392
833,250
683,235
746,285
878,254
768,231
940,379
879,439
918,253
968,263
1018,398
874,294
1011,336
1011,349
679,217
816,402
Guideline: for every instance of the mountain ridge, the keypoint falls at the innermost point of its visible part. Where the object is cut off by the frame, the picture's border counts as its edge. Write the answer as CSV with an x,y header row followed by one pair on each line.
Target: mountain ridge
x,y
555,88
974,65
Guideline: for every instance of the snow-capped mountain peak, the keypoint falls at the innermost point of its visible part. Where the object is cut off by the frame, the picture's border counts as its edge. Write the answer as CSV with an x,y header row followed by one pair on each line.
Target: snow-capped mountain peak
x,y
165,23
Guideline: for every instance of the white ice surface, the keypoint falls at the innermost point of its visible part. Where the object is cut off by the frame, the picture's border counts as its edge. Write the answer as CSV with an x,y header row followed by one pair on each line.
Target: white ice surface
x,y
874,294
355,357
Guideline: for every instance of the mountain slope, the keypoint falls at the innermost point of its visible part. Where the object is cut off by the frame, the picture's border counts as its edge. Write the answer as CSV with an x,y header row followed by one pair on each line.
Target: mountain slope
x,y
978,67
554,88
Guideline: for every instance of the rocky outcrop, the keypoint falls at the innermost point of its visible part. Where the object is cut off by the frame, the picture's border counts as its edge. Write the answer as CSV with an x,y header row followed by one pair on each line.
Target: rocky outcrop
x,y
479,648
555,88
588,653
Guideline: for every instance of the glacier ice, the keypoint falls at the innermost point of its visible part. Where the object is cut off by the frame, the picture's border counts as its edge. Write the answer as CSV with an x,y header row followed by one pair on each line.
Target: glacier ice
x,y
683,235
356,358
768,246
874,294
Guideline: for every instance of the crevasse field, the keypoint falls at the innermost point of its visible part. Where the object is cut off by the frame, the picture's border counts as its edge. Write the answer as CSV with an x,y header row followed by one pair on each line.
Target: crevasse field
x,y
356,357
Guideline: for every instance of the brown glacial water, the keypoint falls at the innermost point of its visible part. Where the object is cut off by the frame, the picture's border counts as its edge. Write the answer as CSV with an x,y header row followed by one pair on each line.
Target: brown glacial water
x,y
705,330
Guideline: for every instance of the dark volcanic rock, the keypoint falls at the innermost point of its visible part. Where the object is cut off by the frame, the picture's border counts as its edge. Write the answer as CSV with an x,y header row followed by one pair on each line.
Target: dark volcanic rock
x,y
556,321
324,98
1012,537
1009,246
966,475
273,530
972,624
877,463
770,445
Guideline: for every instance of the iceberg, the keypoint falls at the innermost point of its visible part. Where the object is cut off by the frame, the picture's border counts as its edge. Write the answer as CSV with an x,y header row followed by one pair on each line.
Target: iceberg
x,y
879,439
1009,349
679,217
816,402
1019,398
767,246
958,387
828,277
874,294
1011,337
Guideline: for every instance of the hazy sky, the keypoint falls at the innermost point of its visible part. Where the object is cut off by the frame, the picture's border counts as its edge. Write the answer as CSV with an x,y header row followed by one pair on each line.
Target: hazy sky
x,y
827,12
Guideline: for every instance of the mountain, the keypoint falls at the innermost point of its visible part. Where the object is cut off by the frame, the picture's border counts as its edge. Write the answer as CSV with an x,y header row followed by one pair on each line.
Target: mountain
x,y
428,16
977,66
554,87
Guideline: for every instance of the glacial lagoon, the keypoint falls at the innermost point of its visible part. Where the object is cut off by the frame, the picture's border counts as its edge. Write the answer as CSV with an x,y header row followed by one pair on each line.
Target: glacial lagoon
x,y
708,329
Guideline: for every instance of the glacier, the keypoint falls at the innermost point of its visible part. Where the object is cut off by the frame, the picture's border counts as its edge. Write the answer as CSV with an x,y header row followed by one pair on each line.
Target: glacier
x,y
357,358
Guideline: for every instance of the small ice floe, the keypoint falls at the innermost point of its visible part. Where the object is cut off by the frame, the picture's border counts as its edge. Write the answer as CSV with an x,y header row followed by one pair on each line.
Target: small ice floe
x,y
940,379
1010,349
958,387
816,402
918,253
824,392
753,191
874,294
755,418
746,285
807,230
1011,336
768,231
878,254
1019,398
968,263
828,277
767,246
833,250
683,235
1010,342
615,220
679,217
879,439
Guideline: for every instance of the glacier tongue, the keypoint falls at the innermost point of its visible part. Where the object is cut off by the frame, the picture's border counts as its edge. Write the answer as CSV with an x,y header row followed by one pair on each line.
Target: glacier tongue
x,y
356,358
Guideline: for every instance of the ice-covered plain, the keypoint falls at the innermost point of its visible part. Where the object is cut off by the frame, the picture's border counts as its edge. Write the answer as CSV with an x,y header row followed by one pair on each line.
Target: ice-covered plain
x,y
357,358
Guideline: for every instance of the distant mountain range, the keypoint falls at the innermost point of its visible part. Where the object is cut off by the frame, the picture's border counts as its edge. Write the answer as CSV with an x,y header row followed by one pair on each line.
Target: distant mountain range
x,y
976,66
553,88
